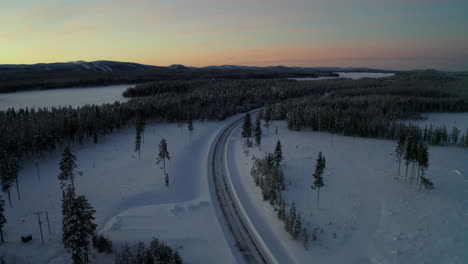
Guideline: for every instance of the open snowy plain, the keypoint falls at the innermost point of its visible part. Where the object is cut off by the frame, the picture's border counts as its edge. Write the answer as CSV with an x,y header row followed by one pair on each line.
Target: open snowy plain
x,y
365,214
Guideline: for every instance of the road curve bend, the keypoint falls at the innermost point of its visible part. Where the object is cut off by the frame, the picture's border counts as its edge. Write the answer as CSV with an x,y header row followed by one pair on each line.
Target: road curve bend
x,y
249,243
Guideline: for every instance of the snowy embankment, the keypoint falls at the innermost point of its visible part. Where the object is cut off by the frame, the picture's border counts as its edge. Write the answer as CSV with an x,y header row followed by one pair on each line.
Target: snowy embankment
x,y
131,201
365,215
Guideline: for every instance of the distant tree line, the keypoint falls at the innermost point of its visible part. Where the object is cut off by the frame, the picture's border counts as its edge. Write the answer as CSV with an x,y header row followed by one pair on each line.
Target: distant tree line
x,y
378,108
12,81
40,130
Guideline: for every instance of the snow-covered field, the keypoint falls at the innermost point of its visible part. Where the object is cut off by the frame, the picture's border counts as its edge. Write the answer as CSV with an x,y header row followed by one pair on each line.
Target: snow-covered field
x,y
63,97
365,215
129,196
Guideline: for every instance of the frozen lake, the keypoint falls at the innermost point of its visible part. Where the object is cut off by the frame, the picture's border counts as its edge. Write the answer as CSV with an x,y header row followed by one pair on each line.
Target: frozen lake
x,y
350,75
64,97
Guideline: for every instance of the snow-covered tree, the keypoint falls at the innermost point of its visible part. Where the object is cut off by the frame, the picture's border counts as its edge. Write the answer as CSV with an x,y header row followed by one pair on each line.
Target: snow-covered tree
x,y
140,128
291,218
318,175
305,238
282,210
400,148
258,133
297,227
190,128
247,126
78,227
2,218
67,168
278,154
163,156
9,170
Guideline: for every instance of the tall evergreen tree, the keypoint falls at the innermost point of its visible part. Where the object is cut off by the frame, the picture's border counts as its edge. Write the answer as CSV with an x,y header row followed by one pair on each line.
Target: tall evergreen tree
x,y
2,218
258,133
78,228
140,128
190,128
291,219
247,126
305,238
162,156
277,155
318,176
67,168
297,227
400,148
7,174
267,116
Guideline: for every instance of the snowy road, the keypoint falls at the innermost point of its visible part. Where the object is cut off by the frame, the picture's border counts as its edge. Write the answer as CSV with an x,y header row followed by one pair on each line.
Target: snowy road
x,y
232,214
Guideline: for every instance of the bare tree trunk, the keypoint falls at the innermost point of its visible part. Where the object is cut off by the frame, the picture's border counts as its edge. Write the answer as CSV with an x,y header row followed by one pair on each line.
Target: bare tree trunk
x,y
399,167
1,235
17,187
318,197
139,154
9,197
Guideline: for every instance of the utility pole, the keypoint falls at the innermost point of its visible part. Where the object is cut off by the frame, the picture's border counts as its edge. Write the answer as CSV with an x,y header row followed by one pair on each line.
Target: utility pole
x,y
48,223
40,224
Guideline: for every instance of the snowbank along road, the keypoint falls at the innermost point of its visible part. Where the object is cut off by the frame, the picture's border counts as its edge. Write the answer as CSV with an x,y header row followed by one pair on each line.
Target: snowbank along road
x,y
247,240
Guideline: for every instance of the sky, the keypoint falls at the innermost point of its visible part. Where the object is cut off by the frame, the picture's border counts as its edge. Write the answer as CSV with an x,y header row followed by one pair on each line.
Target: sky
x,y
390,34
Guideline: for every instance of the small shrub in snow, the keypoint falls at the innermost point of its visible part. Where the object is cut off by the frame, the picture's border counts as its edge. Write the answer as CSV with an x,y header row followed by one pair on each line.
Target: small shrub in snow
x,y
102,244
156,253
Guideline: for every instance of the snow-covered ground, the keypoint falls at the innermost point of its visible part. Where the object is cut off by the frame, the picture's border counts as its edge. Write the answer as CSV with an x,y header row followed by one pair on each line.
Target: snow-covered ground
x,y
365,215
129,196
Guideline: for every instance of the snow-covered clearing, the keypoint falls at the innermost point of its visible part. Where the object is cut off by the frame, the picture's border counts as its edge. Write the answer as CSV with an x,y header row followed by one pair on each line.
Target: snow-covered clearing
x,y
365,215
131,201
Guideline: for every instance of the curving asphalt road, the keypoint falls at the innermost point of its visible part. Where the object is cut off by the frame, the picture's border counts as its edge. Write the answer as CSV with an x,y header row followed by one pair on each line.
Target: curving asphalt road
x,y
251,246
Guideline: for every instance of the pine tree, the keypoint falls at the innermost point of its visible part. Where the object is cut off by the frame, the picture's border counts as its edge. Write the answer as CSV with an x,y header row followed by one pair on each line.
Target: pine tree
x,y
162,156
140,128
278,155
400,148
78,228
297,227
190,128
2,218
7,174
466,138
247,126
267,116
318,176
305,238
258,133
291,218
282,210
67,167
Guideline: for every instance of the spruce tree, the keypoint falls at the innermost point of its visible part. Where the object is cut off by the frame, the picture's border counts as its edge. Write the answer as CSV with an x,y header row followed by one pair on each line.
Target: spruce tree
x,y
140,128
190,129
282,210
78,228
400,148
247,126
7,175
67,167
2,218
466,138
278,155
162,156
318,176
291,218
258,133
297,227
305,239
